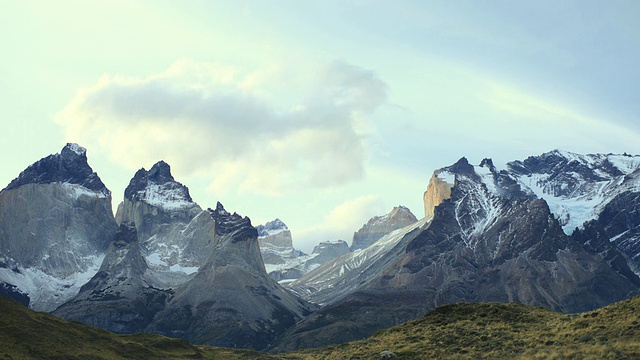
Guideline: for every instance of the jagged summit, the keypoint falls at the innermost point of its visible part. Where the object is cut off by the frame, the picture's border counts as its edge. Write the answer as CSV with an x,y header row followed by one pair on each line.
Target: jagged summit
x,y
378,226
157,187
69,166
56,222
118,297
271,228
227,224
461,166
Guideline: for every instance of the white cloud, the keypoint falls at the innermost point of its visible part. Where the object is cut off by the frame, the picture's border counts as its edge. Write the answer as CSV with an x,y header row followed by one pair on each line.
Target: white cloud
x,y
341,222
232,125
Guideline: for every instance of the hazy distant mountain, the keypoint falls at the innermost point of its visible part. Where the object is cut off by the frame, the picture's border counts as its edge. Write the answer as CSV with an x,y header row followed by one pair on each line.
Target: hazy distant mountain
x,y
380,226
283,262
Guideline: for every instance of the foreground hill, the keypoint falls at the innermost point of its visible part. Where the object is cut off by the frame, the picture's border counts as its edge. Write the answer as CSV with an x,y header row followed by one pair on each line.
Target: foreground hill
x,y
501,331
26,334
457,331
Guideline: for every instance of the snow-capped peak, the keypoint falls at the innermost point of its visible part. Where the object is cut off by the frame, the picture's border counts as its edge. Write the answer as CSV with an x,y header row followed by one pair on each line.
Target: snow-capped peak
x,y
157,187
79,150
576,187
271,228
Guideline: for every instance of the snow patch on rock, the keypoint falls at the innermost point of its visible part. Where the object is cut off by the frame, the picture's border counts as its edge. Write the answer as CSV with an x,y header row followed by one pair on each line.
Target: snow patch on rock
x,y
47,292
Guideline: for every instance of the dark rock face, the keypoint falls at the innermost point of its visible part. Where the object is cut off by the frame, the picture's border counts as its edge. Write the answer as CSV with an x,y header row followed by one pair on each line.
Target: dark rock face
x,y
159,174
380,226
70,166
231,301
492,240
12,292
55,221
117,298
616,233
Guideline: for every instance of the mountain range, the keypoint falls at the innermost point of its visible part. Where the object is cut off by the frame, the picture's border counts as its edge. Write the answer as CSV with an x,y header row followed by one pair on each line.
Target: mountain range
x,y
559,230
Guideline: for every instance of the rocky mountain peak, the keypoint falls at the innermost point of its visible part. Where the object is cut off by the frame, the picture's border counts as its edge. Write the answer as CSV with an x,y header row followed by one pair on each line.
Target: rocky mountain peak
x,y
157,187
69,166
271,228
72,150
232,224
160,173
488,163
461,167
378,226
399,212
328,250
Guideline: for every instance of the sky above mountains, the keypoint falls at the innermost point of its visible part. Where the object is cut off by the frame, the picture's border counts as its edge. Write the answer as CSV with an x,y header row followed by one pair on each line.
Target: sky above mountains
x,y
320,113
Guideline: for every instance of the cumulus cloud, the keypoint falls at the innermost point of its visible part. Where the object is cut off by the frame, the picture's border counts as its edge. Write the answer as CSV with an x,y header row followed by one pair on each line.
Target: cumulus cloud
x,y
238,127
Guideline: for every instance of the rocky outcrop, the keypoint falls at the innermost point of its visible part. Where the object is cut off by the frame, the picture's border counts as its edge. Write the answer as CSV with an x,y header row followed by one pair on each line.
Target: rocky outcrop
x,y
438,190
118,298
231,301
379,226
56,223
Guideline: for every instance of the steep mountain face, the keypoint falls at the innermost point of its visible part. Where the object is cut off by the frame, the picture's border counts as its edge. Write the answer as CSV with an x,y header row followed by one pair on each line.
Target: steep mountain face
x,y
285,263
175,233
595,198
342,271
231,301
493,239
576,187
281,260
339,277
56,223
117,298
380,226
327,251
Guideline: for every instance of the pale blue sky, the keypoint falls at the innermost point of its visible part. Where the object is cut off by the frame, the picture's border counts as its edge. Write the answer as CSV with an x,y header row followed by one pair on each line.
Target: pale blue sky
x,y
320,113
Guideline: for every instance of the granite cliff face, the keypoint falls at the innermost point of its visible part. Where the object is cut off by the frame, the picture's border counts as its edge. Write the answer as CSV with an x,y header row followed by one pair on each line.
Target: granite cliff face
x,y
283,262
175,234
231,301
379,226
493,239
438,190
118,298
329,250
56,223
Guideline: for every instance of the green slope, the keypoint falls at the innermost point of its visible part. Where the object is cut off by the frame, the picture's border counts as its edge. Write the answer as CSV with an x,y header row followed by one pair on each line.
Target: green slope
x,y
26,334
503,331
458,331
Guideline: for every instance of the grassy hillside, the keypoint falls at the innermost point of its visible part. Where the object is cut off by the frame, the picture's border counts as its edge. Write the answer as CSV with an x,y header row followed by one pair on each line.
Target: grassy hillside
x,y
507,331
459,331
26,334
